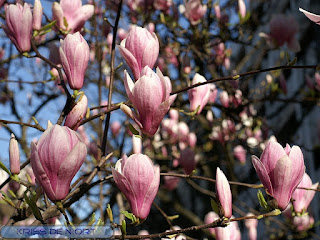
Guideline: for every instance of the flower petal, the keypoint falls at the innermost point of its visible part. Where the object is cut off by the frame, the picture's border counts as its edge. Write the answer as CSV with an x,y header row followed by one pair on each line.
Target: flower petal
x,y
271,154
151,194
39,171
262,174
313,17
131,61
68,169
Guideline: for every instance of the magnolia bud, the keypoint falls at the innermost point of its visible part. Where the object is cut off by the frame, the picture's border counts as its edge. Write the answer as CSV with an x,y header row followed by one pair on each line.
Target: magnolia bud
x,y
37,15
14,155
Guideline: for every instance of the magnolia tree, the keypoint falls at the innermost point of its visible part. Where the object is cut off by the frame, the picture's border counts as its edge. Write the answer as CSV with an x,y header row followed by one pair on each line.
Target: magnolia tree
x,y
161,119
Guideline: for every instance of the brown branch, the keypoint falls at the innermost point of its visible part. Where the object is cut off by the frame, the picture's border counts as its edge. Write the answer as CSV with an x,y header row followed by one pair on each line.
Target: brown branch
x,y
36,126
234,77
112,71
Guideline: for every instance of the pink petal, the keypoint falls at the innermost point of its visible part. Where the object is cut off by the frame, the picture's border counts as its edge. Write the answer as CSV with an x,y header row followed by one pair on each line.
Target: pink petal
x,y
147,97
224,193
262,174
139,173
125,187
151,194
68,169
128,84
313,17
80,17
40,173
281,178
150,54
271,154
131,61
158,117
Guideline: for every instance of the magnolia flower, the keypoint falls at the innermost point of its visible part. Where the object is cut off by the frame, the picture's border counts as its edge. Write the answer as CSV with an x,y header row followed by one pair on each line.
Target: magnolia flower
x,y
242,8
199,96
240,153
115,128
56,159
73,12
187,160
136,144
140,49
14,155
138,179
210,218
231,232
251,224
301,197
280,171
303,223
19,26
37,15
283,30
150,95
74,56
77,113
194,11
223,194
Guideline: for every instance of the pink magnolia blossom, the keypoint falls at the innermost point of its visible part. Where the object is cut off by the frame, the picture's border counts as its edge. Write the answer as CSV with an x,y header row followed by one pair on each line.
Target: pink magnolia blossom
x,y
14,155
223,194
242,8
74,55
199,96
37,15
122,34
181,131
19,26
313,17
77,113
135,4
303,223
174,115
231,232
73,11
115,128
280,171
237,98
210,218
56,159
213,93
187,160
194,11
283,30
240,153
136,144
138,179
171,55
150,95
163,5
224,99
217,10
301,197
140,49
192,139
251,224
144,232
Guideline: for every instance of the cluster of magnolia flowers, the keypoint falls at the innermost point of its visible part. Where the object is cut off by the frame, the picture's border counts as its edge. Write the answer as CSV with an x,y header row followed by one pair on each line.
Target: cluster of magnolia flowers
x,y
281,171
